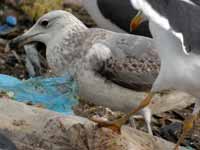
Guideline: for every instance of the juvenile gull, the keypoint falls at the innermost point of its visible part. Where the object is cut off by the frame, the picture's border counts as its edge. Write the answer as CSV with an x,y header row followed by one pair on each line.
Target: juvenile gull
x,y
107,66
115,15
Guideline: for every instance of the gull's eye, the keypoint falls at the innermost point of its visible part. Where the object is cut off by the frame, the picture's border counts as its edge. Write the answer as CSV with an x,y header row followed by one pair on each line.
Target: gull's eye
x,y
44,23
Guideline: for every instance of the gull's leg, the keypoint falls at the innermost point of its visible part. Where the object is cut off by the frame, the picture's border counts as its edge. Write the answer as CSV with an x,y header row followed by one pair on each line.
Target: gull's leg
x,y
116,124
188,124
132,122
147,117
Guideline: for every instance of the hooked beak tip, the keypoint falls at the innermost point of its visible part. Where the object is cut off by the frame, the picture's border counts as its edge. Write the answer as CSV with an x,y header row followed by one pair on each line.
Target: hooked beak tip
x,y
20,41
14,43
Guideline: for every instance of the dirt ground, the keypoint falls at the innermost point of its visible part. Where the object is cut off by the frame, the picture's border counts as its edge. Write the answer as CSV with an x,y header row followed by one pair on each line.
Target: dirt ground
x,y
166,125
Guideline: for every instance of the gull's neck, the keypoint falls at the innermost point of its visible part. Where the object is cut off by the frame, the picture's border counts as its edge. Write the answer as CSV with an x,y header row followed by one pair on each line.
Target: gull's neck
x,y
170,48
65,51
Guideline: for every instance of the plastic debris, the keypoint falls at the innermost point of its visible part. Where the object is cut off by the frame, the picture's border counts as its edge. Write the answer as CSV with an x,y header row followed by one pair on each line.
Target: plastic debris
x,y
10,23
5,28
190,148
55,93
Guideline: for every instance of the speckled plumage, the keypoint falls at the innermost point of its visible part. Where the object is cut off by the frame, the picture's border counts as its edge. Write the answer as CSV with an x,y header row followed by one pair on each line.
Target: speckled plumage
x,y
140,69
95,56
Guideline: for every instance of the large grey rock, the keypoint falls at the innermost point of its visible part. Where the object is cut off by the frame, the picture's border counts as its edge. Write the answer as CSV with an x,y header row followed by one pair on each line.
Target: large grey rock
x,y
32,128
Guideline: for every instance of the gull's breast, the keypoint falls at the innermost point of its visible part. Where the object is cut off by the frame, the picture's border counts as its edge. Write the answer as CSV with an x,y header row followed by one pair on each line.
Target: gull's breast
x,y
96,90
178,70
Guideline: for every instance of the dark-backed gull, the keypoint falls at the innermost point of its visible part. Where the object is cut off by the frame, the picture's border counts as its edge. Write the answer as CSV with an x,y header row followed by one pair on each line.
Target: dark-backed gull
x,y
115,15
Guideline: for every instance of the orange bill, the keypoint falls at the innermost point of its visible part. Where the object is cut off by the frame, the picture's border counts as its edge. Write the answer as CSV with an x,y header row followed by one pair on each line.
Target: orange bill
x,y
136,21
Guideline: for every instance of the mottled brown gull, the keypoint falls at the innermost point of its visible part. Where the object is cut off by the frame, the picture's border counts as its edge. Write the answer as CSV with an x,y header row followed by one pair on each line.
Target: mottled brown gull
x,y
107,66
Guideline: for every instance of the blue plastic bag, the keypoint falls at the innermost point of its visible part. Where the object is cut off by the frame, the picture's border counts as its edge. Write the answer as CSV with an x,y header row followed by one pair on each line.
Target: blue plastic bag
x,y
56,93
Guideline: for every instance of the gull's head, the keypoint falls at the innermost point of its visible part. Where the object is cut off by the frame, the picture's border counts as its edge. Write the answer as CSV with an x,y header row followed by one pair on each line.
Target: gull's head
x,y
49,28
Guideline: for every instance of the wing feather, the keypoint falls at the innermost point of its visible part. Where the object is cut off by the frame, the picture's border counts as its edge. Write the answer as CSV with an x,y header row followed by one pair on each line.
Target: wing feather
x,y
132,64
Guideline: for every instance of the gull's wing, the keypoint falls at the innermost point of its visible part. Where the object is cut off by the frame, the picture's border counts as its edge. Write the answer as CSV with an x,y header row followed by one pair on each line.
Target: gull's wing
x,y
181,17
130,63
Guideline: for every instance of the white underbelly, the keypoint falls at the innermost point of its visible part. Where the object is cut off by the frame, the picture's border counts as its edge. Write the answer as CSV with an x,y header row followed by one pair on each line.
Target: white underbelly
x,y
178,70
183,79
94,89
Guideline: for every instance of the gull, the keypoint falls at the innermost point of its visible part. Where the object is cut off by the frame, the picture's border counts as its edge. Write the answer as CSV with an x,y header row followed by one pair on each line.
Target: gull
x,y
115,15
174,25
107,66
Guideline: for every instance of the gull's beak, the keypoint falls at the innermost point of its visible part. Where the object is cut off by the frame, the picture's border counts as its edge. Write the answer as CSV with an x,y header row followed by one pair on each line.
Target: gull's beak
x,y
136,21
19,41
23,39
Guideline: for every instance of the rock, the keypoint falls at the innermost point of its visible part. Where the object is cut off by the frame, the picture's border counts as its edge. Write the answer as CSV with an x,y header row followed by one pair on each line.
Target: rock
x,y
6,143
3,42
172,131
171,100
33,128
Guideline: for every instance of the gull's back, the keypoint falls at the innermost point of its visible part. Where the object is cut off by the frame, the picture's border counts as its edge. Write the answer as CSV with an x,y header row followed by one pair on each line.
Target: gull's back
x,y
134,61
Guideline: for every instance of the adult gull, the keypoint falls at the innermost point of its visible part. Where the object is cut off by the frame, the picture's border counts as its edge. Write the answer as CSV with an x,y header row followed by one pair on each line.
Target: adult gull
x,y
174,25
